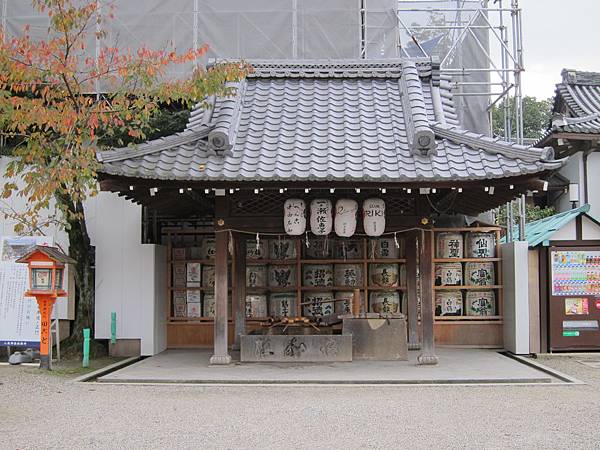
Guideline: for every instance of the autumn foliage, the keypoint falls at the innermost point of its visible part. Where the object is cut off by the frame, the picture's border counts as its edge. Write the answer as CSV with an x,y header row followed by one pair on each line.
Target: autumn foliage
x,y
60,99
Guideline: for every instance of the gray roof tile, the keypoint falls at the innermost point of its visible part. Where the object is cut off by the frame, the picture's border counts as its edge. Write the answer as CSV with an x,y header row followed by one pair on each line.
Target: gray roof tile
x,y
327,121
580,93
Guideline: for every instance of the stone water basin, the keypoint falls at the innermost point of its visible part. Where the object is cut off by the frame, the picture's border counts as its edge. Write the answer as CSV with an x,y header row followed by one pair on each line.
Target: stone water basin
x,y
298,344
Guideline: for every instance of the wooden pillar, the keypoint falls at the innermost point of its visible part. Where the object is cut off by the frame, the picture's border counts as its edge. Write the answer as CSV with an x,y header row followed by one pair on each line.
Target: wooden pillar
x,y
427,356
239,282
410,248
221,353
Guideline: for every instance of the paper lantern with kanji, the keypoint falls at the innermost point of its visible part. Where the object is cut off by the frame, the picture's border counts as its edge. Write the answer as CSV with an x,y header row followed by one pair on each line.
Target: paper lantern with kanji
x,y
345,217
374,216
294,216
321,217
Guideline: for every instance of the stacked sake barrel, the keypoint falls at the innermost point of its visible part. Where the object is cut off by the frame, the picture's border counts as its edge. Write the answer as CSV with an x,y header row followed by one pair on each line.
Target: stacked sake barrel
x,y
271,278
386,277
193,279
462,266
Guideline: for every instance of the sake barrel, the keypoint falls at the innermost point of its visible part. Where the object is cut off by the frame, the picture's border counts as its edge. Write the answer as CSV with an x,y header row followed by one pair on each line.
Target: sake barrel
x,y
384,275
317,275
256,305
448,303
344,300
374,216
318,248
256,251
209,305
347,275
256,275
480,303
282,305
448,274
479,274
347,249
385,248
318,304
282,249
179,304
385,302
449,245
179,275
480,245
208,248
345,217
321,217
294,216
208,276
282,275
194,310
194,274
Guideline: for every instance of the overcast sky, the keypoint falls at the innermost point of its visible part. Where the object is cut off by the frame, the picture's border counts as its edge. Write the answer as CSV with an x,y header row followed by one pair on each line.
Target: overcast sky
x,y
558,34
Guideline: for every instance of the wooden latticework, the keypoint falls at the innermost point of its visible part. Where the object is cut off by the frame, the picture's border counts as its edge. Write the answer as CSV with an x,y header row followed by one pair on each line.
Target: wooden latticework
x,y
264,203
400,206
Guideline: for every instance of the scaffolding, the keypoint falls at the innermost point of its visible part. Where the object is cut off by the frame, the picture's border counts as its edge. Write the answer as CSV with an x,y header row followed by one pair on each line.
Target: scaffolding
x,y
493,28
477,42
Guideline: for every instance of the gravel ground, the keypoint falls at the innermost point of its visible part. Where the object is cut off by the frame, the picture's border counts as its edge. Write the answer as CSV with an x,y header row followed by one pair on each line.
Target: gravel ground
x,y
46,411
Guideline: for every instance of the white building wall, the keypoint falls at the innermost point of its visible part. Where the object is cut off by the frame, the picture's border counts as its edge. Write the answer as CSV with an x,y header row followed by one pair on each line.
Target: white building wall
x,y
593,180
515,276
130,276
573,171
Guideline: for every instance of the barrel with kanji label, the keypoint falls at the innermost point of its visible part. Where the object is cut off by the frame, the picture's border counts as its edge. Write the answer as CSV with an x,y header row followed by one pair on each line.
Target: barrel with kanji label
x,y
448,274
480,303
256,305
317,275
448,303
385,302
481,245
282,305
348,275
449,245
479,274
318,304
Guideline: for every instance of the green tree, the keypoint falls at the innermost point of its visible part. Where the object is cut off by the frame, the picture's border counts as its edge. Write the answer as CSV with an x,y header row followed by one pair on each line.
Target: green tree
x,y
56,127
536,116
532,213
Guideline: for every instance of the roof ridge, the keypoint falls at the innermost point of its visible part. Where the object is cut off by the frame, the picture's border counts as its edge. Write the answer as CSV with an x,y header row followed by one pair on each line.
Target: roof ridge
x,y
493,145
570,76
421,138
336,68
153,146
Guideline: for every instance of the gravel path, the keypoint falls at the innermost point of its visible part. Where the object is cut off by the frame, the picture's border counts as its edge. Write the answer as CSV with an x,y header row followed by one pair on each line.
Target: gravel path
x,y
90,415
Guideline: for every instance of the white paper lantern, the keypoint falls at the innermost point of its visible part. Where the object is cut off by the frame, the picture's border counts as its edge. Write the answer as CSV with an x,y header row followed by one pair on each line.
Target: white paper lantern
x,y
345,217
374,216
321,220
294,216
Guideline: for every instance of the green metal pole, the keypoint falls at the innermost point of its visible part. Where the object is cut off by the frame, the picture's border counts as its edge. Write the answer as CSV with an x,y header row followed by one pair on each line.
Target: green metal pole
x,y
113,327
86,347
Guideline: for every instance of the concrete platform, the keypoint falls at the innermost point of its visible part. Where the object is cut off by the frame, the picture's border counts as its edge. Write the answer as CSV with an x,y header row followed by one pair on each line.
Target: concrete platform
x,y
456,366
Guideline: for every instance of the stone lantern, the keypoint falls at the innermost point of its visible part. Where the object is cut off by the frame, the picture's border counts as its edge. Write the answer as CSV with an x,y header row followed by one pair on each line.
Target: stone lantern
x,y
46,277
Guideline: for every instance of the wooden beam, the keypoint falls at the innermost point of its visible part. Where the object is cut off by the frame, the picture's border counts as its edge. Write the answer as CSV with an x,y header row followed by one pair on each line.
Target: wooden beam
x,y
427,356
221,353
239,288
410,248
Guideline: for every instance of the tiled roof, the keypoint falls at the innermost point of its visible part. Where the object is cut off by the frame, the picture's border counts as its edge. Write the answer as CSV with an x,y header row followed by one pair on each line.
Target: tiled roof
x,y
580,93
330,120
542,230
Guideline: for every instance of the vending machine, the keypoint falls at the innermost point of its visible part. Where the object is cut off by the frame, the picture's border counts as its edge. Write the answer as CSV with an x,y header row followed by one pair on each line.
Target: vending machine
x,y
574,304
